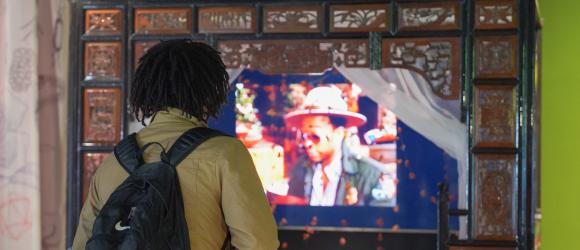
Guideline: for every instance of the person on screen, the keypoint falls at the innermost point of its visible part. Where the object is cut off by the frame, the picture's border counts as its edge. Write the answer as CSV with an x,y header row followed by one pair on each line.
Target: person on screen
x,y
331,172
180,84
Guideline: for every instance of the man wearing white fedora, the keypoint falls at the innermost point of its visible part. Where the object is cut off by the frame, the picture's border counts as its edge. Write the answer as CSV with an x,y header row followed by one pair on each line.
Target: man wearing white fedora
x,y
332,172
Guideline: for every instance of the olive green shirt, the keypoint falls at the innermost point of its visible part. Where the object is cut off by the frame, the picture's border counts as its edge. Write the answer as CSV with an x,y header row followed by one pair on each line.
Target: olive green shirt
x,y
220,186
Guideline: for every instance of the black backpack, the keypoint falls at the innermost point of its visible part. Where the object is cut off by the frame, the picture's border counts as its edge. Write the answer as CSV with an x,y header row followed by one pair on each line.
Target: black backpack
x,y
146,210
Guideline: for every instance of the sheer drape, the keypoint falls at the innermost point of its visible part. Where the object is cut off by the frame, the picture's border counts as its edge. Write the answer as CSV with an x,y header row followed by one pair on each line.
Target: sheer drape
x,y
53,34
20,226
33,66
409,96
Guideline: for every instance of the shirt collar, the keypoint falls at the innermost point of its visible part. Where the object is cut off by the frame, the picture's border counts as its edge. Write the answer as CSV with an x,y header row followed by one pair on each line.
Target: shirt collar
x,y
334,169
175,114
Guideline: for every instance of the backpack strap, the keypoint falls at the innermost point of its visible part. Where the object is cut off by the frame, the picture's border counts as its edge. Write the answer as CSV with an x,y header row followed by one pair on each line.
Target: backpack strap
x,y
127,153
188,142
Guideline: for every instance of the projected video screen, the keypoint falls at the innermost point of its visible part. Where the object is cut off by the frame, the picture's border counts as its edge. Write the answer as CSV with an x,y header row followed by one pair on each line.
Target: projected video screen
x,y
318,143
329,156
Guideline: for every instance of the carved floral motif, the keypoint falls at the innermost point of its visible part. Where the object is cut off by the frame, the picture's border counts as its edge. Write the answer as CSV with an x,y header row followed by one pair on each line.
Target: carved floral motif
x,y
103,22
296,56
494,211
495,116
437,59
496,57
357,18
103,61
227,20
434,16
102,114
292,19
495,14
163,21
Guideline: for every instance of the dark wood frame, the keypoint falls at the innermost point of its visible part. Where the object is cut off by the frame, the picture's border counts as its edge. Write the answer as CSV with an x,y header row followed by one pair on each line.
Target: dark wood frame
x,y
523,80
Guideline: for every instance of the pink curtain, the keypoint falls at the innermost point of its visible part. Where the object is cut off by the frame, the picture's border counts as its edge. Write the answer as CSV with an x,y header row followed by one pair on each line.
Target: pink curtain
x,y
53,36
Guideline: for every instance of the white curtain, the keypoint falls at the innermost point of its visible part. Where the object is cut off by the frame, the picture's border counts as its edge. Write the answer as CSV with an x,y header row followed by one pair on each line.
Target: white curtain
x,y
33,73
409,96
20,214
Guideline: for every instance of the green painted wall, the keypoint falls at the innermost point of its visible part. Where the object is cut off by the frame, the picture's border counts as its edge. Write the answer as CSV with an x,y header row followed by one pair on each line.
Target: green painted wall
x,y
560,124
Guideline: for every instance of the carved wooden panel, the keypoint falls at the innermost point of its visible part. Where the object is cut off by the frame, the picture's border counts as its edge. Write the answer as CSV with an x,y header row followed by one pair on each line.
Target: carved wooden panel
x,y
495,116
140,48
496,56
495,196
295,56
480,248
102,115
292,19
437,59
359,18
103,61
429,16
103,22
497,14
227,20
90,163
163,21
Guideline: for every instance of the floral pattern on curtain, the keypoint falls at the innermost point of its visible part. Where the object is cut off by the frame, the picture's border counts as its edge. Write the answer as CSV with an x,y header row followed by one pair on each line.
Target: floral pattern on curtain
x,y
33,66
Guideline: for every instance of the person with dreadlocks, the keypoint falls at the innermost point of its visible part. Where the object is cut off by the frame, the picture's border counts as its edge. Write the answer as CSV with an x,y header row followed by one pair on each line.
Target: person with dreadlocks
x,y
179,85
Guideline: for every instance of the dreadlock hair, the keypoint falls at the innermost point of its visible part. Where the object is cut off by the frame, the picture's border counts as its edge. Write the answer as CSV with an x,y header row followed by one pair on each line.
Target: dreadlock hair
x,y
181,74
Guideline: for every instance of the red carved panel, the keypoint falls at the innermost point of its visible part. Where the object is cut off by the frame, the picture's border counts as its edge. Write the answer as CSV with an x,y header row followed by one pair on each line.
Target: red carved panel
x,y
103,22
102,115
429,16
495,116
359,17
163,21
292,19
140,48
227,20
103,61
496,56
497,14
495,197
437,59
91,162
295,56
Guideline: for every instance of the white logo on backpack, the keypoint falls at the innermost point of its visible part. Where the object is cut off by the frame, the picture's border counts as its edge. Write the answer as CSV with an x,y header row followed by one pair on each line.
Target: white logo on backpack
x,y
118,226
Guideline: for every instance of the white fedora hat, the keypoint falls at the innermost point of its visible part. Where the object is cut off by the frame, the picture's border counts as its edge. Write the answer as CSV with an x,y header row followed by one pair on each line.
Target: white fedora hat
x,y
325,101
